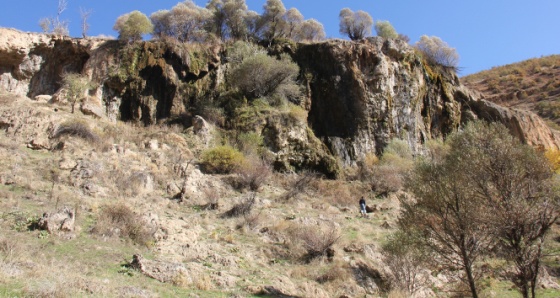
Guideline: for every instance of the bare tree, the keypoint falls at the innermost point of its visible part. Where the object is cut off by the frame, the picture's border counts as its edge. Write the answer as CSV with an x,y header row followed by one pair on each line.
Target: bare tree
x,y
61,27
55,25
84,15
356,25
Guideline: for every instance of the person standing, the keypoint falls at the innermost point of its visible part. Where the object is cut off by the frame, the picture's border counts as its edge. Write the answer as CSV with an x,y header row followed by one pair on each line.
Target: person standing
x,y
363,207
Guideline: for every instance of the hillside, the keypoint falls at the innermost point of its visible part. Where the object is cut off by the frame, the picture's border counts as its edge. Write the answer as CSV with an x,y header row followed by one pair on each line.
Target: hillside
x,y
532,84
169,177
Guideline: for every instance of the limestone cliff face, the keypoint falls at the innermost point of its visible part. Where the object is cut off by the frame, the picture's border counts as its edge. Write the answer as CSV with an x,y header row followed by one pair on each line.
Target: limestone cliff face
x,y
360,95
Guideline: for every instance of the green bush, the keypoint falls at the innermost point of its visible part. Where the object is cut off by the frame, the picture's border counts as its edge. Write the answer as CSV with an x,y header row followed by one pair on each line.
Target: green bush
x,y
132,26
221,160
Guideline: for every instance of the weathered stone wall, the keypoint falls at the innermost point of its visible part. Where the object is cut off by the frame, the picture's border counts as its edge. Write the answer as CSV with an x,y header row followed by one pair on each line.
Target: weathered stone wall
x,y
360,94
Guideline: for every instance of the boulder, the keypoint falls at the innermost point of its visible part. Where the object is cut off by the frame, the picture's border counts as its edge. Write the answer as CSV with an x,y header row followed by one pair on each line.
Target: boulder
x,y
62,220
43,97
89,107
162,271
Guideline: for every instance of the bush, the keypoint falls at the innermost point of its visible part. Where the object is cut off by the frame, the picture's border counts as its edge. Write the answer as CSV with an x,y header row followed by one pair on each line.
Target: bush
x,y
317,240
387,174
76,86
385,29
438,52
221,160
253,173
257,75
242,209
553,157
405,259
300,184
262,76
119,220
75,129
249,143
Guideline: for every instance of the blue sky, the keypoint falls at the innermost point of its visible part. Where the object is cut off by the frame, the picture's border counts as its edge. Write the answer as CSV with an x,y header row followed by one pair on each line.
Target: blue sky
x,y
486,33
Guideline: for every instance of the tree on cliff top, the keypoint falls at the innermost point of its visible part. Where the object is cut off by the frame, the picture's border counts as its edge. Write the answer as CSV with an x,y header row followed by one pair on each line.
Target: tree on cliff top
x,y
356,25
132,26
228,19
271,21
385,29
55,25
438,51
310,30
185,21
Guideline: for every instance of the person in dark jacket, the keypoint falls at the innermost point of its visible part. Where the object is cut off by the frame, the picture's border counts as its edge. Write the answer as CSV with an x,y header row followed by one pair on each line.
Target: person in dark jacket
x,y
363,207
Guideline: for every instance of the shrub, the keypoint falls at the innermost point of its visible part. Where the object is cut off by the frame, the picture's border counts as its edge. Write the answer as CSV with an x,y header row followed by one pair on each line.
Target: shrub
x,y
76,86
249,143
385,29
437,51
553,157
75,129
263,76
119,220
253,173
387,175
317,240
300,184
242,209
221,160
405,259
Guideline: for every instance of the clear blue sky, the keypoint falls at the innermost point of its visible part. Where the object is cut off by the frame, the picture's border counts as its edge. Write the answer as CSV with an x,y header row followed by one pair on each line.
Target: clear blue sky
x,y
486,33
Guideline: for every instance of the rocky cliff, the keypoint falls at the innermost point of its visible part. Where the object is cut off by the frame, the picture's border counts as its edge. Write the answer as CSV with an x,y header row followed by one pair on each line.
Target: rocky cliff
x,y
359,95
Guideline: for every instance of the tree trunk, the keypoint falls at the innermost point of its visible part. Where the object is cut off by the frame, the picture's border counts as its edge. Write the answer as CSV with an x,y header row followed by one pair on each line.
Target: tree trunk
x,y
468,270
470,279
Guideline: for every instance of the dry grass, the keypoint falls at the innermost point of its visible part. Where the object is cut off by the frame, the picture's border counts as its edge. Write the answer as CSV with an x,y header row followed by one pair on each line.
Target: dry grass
x,y
119,220
243,208
300,184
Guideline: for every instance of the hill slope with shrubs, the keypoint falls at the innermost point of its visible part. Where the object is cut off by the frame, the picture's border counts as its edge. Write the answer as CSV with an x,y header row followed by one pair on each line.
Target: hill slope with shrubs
x,y
533,84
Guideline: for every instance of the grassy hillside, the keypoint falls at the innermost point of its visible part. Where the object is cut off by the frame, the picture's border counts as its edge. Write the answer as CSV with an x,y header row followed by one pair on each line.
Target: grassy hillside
x,y
532,84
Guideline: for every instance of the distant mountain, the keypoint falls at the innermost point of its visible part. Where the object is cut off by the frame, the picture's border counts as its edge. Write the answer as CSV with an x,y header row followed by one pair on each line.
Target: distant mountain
x,y
533,84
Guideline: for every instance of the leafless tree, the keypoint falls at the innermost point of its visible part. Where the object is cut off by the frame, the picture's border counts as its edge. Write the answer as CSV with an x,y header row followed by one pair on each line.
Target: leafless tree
x,y
84,15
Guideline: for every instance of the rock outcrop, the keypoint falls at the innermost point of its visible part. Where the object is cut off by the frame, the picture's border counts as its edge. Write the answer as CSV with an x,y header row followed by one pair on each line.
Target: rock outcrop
x,y
62,220
362,94
359,94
